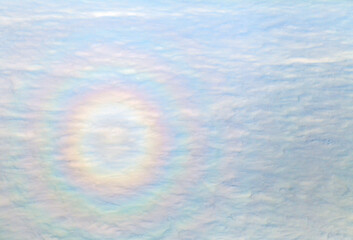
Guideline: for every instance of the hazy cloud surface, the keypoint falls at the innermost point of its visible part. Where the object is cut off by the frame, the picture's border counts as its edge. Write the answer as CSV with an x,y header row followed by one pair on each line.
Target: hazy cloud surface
x,y
190,120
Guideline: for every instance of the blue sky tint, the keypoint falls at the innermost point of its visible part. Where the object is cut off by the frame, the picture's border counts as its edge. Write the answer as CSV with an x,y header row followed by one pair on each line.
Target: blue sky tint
x,y
214,120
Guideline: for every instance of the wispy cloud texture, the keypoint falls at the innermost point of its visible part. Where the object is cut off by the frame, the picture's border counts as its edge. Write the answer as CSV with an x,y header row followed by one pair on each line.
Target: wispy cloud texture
x,y
207,120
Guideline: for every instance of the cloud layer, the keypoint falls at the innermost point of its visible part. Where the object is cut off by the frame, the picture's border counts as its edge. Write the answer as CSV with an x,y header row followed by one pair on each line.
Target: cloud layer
x,y
208,120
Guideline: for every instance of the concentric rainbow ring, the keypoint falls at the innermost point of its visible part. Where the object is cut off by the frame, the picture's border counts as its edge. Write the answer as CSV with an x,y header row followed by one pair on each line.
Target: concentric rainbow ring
x,y
97,82
147,117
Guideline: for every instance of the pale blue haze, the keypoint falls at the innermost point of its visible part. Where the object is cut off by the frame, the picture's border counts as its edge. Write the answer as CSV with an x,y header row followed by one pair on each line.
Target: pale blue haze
x,y
176,120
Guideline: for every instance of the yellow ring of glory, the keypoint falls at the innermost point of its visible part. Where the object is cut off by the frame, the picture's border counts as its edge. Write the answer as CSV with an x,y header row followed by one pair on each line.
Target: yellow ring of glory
x,y
149,118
